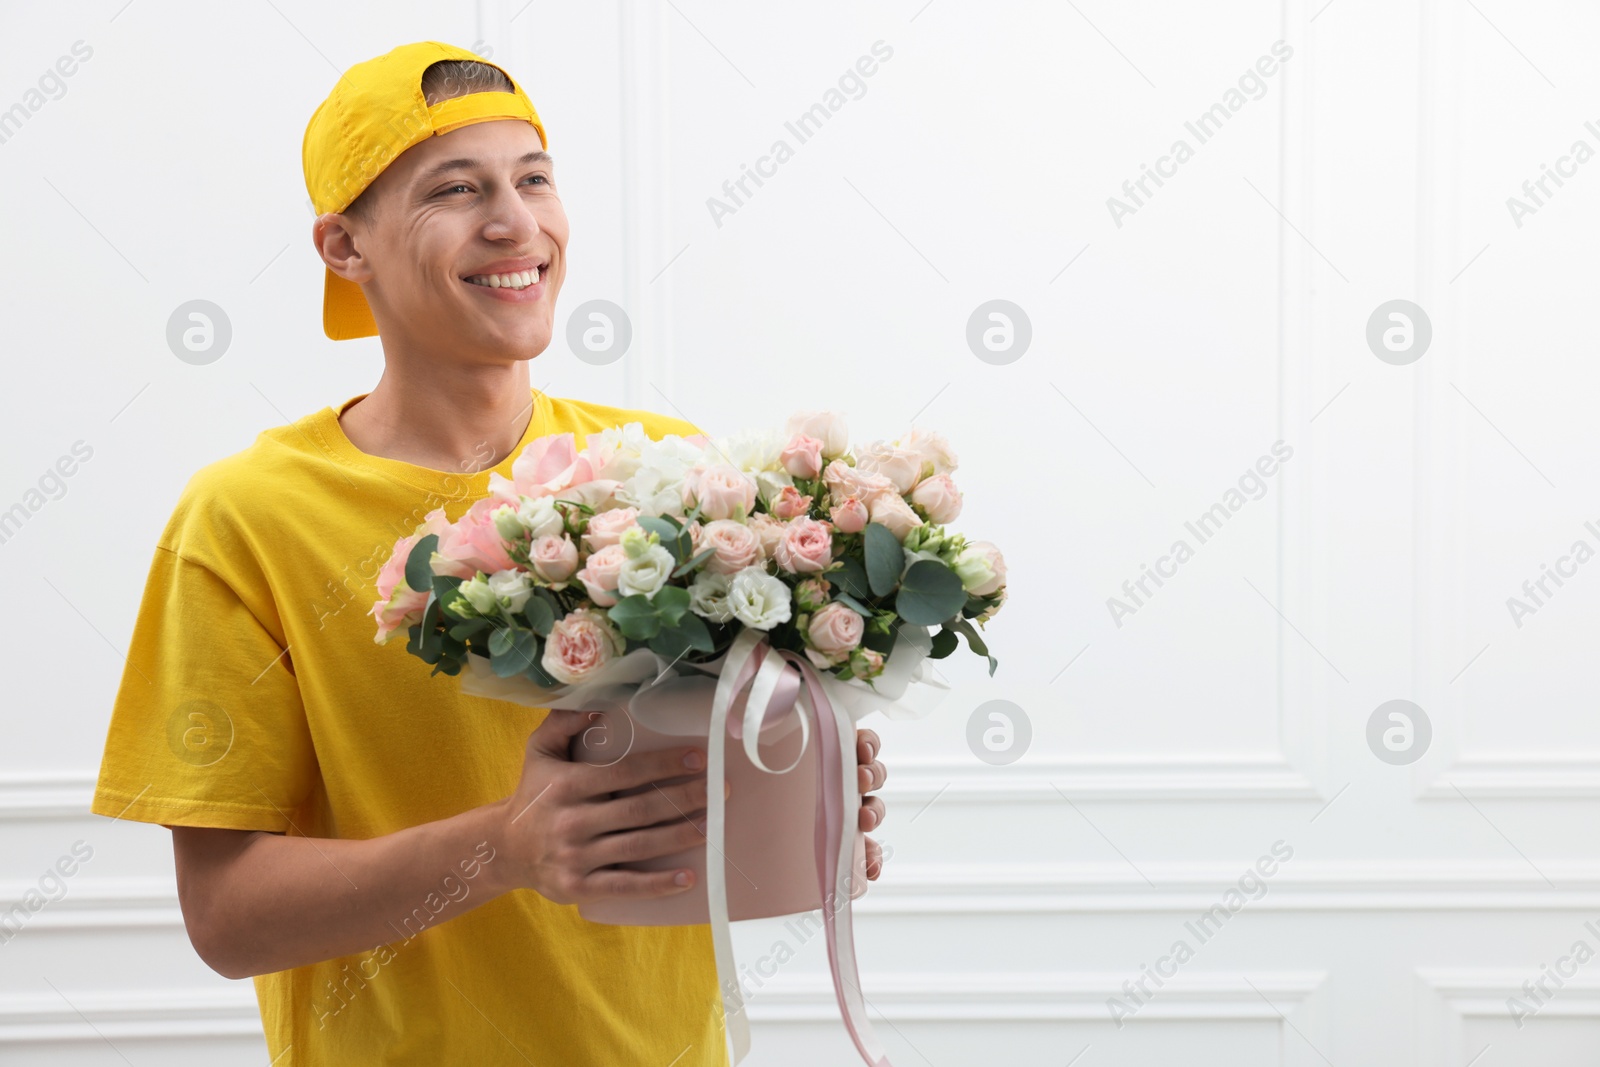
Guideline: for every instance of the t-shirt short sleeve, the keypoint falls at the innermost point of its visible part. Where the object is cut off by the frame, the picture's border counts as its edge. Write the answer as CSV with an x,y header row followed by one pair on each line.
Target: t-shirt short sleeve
x,y
208,727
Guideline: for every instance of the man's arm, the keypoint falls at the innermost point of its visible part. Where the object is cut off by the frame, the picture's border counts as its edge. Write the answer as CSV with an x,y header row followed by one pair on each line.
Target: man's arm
x,y
255,902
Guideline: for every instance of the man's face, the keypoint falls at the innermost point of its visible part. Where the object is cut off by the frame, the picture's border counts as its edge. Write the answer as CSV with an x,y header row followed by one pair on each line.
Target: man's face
x,y
454,215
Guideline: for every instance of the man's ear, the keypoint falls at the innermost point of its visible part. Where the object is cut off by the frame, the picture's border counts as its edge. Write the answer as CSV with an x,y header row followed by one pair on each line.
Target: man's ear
x,y
338,240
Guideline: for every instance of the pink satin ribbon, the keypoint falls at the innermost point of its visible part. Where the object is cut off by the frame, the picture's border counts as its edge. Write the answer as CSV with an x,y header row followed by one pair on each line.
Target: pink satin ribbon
x,y
833,841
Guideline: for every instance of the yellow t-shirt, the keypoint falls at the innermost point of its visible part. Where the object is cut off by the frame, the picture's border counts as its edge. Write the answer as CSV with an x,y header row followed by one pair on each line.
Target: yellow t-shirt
x,y
255,698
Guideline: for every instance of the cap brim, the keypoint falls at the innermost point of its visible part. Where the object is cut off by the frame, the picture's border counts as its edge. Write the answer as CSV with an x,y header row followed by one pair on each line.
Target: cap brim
x,y
345,314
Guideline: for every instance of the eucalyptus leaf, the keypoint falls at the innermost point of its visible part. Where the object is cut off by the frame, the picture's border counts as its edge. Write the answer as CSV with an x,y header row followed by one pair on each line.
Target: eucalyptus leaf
x,y
930,593
974,641
944,643
636,617
885,558
539,615
419,568
851,577
517,655
671,602
855,605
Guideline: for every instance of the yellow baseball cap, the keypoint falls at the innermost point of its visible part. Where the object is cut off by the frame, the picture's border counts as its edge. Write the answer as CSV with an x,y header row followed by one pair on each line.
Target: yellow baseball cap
x,y
375,112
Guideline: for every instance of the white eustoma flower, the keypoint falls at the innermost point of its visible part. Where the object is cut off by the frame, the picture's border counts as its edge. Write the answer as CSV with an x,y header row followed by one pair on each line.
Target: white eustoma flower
x,y
511,587
540,517
655,485
758,453
616,453
708,596
478,594
645,573
758,599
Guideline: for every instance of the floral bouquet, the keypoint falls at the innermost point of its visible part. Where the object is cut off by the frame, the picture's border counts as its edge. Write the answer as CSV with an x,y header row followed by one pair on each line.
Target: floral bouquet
x,y
686,569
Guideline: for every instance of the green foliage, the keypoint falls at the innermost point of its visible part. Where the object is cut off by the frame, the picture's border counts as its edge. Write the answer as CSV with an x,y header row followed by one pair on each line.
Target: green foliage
x,y
419,568
930,593
885,558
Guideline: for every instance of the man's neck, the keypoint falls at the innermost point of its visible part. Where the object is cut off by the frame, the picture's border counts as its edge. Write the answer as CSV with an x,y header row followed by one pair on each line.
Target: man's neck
x,y
464,425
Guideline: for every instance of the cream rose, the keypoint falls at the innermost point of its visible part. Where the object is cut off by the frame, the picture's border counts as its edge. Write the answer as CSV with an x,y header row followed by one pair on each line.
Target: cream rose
x,y
981,568
722,491
901,466
789,503
553,558
735,546
850,515
580,643
939,497
802,456
844,481
827,427
835,630
891,510
606,527
599,575
806,546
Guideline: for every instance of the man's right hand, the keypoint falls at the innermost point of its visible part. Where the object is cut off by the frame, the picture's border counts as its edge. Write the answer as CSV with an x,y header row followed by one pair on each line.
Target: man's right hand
x,y
562,828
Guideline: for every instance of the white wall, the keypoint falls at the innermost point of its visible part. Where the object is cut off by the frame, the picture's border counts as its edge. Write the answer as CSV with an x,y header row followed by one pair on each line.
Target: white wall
x,y
1229,713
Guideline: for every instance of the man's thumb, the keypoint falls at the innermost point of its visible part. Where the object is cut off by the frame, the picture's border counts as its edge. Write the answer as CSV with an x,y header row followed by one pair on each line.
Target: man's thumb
x,y
552,737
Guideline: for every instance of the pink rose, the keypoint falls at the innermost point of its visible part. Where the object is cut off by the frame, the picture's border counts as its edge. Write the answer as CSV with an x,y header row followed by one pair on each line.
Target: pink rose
x,y
398,604
790,504
802,456
473,543
891,510
606,527
826,426
735,546
850,515
939,497
552,466
901,466
769,530
835,630
599,575
580,643
722,490
806,546
553,558
844,480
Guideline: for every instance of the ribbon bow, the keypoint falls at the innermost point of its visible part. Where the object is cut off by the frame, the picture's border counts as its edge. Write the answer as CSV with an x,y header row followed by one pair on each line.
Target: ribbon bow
x,y
752,661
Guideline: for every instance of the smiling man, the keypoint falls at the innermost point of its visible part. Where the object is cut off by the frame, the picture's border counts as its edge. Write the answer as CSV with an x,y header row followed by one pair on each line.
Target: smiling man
x,y
395,863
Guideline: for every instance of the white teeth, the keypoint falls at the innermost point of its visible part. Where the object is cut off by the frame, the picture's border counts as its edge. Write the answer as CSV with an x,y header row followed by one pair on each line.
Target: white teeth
x,y
518,280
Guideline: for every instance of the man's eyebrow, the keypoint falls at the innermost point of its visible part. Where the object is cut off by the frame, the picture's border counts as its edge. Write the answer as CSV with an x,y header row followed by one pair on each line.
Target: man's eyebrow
x,y
449,165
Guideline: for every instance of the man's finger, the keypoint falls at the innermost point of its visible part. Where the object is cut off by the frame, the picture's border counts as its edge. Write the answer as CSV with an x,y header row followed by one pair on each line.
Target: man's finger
x,y
552,738
604,883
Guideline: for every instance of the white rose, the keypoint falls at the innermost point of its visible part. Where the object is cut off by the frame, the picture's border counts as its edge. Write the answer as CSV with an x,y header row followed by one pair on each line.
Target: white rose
x,y
758,599
826,426
708,596
901,466
645,573
933,449
981,568
540,516
510,586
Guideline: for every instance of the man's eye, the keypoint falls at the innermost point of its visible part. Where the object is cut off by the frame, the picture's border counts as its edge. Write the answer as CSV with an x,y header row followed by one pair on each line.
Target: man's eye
x,y
532,176
451,189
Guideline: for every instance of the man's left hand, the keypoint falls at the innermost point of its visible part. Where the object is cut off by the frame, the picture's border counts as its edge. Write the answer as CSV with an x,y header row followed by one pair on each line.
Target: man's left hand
x,y
870,775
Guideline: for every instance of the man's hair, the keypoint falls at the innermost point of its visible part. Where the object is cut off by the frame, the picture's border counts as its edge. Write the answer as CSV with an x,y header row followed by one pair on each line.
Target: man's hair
x,y
444,80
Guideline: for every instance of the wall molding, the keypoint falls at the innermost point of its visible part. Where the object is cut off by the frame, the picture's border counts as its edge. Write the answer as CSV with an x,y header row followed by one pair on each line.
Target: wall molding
x,y
977,892
161,1015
